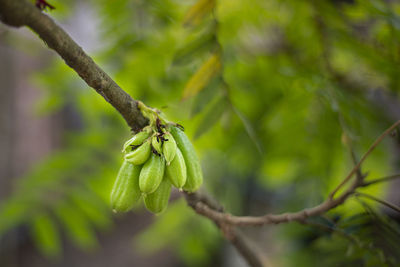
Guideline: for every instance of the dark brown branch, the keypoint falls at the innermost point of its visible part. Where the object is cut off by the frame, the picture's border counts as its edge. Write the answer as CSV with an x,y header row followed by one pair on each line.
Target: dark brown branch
x,y
19,13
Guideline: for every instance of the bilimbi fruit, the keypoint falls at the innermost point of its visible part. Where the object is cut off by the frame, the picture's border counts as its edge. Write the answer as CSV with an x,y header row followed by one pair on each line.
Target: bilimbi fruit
x,y
155,159
125,192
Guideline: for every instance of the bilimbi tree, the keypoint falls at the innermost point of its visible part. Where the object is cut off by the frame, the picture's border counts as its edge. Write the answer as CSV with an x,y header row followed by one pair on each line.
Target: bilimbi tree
x,y
283,87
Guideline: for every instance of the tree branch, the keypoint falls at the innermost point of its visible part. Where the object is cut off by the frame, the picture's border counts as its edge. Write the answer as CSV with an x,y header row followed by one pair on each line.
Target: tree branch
x,y
217,215
19,13
205,210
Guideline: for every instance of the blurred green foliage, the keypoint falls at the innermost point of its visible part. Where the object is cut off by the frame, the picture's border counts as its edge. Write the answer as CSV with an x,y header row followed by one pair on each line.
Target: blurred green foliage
x,y
296,79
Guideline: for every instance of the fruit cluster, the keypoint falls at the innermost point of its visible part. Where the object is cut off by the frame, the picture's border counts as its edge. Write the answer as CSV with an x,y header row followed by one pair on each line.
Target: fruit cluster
x,y
156,158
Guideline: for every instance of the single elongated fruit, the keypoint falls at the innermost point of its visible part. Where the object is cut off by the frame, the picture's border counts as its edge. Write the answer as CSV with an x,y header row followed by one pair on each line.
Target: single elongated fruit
x,y
157,201
151,174
157,144
169,147
140,154
136,140
125,192
177,170
194,173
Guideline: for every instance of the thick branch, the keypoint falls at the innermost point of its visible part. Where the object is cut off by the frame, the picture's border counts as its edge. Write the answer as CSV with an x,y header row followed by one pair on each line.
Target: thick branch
x,y
19,13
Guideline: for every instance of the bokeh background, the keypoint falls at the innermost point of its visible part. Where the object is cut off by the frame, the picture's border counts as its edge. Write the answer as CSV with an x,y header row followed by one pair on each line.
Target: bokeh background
x,y
299,92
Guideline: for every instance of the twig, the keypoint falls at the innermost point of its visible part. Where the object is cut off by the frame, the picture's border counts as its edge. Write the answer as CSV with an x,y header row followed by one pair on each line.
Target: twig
x,y
364,157
383,202
300,216
334,230
381,180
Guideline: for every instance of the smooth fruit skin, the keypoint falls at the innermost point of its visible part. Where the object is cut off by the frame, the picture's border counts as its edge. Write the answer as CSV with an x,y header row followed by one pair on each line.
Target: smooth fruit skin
x,y
136,140
157,201
194,173
176,171
140,154
125,192
169,148
151,174
157,145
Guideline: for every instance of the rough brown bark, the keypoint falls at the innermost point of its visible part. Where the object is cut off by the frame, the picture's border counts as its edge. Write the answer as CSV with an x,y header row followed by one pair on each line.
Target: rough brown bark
x,y
19,13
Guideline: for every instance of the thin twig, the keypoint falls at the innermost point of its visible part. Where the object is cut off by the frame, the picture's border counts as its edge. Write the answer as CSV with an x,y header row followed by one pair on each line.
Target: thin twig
x,y
333,230
381,180
364,157
383,202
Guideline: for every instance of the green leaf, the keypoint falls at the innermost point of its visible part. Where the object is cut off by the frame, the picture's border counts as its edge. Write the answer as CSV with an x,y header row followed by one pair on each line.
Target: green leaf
x,y
92,207
76,226
205,97
198,11
46,235
212,115
203,42
249,129
207,71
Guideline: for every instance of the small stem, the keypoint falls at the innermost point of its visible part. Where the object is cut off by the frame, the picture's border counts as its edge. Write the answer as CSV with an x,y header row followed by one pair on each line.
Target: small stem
x,y
383,202
333,230
381,180
364,157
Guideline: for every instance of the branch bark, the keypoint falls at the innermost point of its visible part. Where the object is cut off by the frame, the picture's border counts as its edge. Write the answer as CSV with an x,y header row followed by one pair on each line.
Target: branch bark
x,y
202,208
19,13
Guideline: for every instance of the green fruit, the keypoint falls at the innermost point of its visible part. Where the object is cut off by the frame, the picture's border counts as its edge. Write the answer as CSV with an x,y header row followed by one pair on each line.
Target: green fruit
x,y
151,174
169,148
157,144
136,140
157,201
194,173
140,154
177,170
125,192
